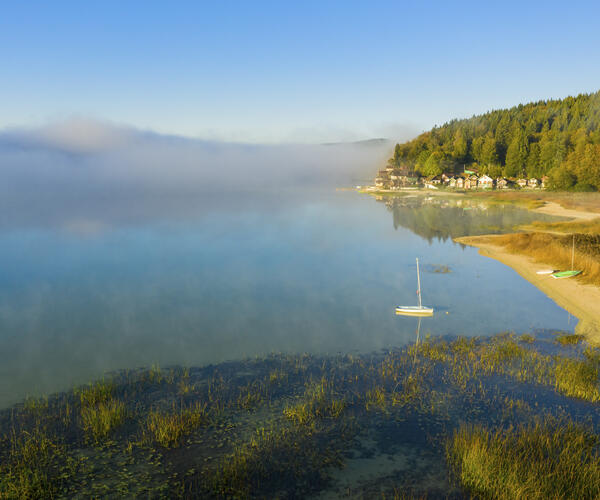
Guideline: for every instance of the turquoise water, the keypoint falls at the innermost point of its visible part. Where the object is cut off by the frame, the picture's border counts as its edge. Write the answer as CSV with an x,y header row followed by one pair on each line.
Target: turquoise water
x,y
194,283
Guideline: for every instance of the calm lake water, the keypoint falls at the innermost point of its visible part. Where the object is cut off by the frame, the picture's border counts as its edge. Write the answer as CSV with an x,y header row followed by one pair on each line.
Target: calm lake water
x,y
193,282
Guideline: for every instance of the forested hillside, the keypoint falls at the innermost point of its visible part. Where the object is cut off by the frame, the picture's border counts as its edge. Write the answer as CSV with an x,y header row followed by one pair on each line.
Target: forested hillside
x,y
558,138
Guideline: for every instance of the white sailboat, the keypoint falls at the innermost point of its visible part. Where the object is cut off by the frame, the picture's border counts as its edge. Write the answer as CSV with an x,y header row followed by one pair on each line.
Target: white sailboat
x,y
419,310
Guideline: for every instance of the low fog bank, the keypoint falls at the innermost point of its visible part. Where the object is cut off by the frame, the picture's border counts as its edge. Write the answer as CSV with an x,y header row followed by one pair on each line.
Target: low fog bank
x,y
81,169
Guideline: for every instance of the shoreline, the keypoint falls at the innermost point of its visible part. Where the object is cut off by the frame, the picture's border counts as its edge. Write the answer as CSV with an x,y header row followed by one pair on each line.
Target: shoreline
x,y
553,208
581,300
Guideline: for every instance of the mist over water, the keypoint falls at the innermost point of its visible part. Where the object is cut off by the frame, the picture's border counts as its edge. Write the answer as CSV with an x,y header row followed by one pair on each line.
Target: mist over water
x,y
85,175
123,249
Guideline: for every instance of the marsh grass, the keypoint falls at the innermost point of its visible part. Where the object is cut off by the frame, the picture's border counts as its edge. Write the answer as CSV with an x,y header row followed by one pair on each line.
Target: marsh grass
x,y
169,429
569,339
278,426
273,459
100,421
556,250
539,461
527,339
571,226
94,394
26,470
589,202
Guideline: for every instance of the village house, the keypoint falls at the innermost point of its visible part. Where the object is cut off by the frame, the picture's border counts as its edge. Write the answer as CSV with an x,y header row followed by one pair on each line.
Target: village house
x,y
533,183
501,183
436,180
544,181
471,182
383,179
451,182
459,182
522,183
486,182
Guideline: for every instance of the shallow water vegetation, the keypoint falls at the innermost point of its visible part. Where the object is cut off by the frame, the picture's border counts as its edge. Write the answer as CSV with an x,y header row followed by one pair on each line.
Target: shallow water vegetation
x,y
569,339
96,393
273,460
27,470
282,426
169,429
101,420
539,461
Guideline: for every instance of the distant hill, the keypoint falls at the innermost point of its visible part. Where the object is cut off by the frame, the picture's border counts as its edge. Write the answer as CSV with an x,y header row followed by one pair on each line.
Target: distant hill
x,y
366,142
558,138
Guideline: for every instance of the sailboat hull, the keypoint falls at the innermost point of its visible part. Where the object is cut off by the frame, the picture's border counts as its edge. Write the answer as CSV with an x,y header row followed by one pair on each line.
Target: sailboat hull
x,y
414,310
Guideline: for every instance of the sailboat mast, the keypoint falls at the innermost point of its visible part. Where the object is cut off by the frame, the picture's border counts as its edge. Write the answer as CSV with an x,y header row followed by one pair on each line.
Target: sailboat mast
x,y
418,284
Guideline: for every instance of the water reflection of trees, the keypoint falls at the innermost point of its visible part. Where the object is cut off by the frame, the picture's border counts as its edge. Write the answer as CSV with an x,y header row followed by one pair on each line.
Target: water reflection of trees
x,y
439,218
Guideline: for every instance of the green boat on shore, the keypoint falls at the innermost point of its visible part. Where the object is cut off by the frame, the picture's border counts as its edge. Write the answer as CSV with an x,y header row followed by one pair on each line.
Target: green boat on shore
x,y
565,274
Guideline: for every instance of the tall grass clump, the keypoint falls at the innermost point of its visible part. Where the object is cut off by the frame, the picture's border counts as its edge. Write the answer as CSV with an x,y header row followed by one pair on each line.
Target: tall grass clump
x,y
538,461
578,378
320,402
94,394
25,473
101,420
169,429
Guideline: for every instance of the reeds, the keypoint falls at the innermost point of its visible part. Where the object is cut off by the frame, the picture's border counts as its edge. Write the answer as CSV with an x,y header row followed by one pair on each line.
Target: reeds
x,y
539,461
169,429
556,251
25,474
571,226
589,202
100,420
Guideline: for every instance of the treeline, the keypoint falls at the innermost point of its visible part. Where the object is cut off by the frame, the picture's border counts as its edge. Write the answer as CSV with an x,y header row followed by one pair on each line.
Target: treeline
x,y
557,138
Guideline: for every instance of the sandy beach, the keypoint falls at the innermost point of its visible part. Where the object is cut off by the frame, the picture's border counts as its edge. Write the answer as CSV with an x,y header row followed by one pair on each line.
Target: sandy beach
x,y
581,300
553,208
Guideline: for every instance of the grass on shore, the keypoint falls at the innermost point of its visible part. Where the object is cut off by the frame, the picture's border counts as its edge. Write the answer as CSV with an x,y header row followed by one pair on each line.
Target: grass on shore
x,y
588,202
555,250
575,226
539,461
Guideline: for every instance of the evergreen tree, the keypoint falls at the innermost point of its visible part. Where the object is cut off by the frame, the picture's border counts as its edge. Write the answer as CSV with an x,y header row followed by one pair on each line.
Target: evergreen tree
x,y
536,138
516,155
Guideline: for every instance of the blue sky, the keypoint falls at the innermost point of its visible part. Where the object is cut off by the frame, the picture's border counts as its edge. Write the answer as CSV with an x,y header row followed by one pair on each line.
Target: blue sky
x,y
289,71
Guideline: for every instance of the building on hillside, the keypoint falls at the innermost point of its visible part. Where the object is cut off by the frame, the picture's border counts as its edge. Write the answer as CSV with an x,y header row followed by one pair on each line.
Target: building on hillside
x,y
459,182
533,183
383,179
471,182
501,183
451,182
486,182
436,180
522,183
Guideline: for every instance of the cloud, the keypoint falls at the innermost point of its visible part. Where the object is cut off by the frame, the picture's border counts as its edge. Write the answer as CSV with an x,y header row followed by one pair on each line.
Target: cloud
x,y
84,170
